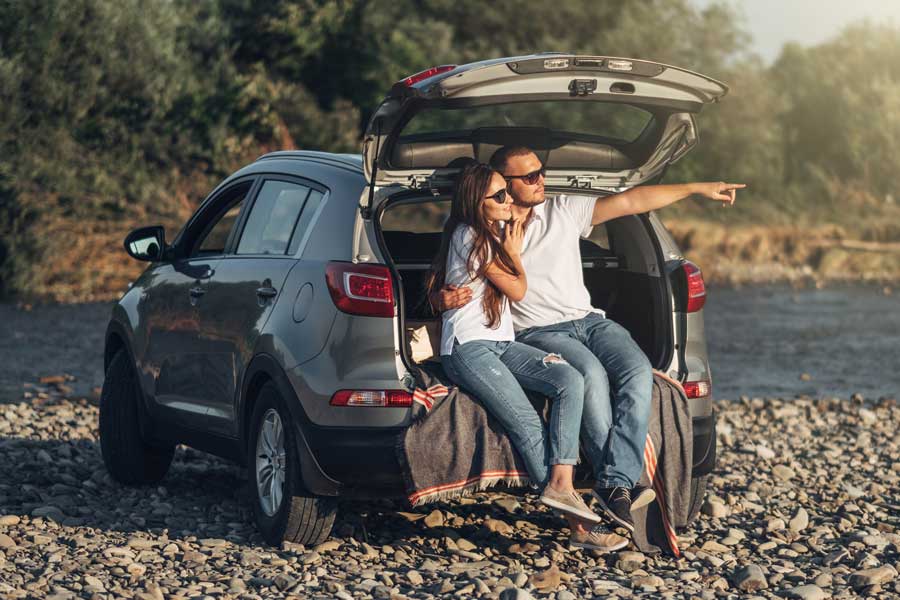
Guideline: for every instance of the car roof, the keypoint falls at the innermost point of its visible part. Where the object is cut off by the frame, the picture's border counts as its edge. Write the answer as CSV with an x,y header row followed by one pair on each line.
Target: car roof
x,y
350,162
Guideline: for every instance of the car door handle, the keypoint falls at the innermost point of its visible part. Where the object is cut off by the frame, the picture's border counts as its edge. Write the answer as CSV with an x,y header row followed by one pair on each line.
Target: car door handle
x,y
196,292
266,292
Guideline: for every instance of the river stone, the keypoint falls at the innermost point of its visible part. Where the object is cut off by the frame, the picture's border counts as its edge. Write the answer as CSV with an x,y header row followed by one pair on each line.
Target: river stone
x,y
508,504
6,541
800,520
808,592
749,578
515,594
877,576
9,520
434,519
765,453
546,580
414,577
49,512
783,472
497,526
715,509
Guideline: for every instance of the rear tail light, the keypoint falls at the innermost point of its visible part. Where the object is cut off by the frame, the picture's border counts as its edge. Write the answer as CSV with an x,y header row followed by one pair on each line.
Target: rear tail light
x,y
361,289
695,289
386,398
697,389
423,75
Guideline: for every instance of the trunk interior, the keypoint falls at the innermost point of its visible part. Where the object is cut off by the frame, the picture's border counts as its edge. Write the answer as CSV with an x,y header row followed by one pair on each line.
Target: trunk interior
x,y
621,264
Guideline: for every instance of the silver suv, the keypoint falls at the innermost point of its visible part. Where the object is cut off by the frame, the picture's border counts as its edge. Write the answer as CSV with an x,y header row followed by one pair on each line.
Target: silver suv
x,y
281,326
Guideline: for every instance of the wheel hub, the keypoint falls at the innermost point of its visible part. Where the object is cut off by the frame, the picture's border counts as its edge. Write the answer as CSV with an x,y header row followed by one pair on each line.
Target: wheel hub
x,y
271,462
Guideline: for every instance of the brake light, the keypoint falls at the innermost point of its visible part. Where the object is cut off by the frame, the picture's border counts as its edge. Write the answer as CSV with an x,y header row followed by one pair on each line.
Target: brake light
x,y
697,389
423,75
361,289
696,287
372,398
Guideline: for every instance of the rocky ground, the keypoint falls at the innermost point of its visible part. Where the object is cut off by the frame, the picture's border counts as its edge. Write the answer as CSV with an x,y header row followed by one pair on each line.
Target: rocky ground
x,y
805,504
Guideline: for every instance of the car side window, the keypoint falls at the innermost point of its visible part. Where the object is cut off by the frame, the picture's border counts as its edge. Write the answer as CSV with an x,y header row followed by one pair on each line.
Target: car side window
x,y
313,203
215,235
273,217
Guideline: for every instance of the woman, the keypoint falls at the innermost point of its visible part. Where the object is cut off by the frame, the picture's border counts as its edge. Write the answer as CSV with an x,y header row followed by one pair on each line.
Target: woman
x,y
478,351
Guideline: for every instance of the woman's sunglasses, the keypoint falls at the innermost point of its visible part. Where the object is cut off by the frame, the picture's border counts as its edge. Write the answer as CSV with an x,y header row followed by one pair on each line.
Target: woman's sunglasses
x,y
500,196
529,178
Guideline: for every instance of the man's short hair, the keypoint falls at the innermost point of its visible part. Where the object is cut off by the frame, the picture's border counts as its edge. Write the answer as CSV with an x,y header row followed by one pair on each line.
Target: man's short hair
x,y
501,157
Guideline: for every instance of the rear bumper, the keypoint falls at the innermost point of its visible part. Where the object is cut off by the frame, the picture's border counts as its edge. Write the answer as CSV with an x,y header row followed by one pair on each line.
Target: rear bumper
x,y
361,461
704,445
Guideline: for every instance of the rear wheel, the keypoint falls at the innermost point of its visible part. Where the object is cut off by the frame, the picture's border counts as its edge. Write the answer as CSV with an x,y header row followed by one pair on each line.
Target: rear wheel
x,y
283,510
128,458
698,494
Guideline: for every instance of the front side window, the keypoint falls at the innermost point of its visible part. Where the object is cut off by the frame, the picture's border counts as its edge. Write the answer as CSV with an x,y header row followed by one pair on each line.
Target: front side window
x,y
273,218
227,208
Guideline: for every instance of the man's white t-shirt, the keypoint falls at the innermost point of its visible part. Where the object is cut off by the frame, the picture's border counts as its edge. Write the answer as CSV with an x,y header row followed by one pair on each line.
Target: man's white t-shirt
x,y
467,322
552,260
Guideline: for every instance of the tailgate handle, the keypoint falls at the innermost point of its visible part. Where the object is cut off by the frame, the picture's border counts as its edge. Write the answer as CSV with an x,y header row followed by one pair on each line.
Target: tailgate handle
x,y
582,87
196,292
266,292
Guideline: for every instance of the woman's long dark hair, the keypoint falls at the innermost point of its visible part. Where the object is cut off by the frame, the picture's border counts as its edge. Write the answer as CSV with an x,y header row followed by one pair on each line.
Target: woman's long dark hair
x,y
466,209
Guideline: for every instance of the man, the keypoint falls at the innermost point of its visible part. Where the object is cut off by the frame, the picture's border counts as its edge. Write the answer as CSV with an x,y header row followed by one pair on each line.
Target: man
x,y
556,316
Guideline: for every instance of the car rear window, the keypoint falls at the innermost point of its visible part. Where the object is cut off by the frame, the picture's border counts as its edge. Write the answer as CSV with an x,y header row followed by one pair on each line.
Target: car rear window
x,y
609,120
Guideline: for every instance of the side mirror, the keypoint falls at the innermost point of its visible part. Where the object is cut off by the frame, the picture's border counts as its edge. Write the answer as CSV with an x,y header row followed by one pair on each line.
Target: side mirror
x,y
146,243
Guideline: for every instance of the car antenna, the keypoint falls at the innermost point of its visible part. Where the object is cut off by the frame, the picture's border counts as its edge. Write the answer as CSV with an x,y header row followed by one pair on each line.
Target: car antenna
x,y
367,209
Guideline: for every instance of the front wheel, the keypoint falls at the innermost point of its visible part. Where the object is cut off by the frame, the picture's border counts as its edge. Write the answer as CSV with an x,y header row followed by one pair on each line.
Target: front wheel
x,y
128,458
283,510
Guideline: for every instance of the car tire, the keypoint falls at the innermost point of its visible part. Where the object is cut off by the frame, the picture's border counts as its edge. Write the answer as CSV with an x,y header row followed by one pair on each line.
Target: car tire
x,y
294,516
698,494
128,458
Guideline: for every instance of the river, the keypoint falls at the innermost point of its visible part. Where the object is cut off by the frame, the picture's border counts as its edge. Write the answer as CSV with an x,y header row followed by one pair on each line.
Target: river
x,y
762,340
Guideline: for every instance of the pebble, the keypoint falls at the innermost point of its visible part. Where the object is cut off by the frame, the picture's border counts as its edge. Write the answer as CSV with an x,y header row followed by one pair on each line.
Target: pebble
x,y
808,592
869,577
825,527
749,578
800,520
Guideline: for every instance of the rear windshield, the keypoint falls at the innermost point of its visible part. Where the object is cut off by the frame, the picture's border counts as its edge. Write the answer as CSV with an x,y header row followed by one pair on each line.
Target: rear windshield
x,y
608,120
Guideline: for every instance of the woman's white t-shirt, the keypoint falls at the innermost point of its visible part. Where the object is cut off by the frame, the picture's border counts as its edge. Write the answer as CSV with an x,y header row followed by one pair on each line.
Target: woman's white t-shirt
x,y
468,322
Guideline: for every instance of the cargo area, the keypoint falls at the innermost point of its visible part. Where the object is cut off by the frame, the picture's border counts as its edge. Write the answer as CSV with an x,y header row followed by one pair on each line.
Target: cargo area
x,y
620,260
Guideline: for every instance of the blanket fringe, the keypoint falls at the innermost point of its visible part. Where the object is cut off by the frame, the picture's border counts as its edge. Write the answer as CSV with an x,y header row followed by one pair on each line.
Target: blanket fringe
x,y
478,485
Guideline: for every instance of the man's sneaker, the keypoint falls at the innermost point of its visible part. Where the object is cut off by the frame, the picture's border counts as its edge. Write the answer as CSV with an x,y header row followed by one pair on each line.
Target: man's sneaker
x,y
570,503
616,504
641,496
597,539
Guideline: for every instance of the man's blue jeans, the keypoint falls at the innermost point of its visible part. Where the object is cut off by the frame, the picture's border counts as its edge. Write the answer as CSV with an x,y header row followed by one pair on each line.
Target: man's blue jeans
x,y
618,382
496,372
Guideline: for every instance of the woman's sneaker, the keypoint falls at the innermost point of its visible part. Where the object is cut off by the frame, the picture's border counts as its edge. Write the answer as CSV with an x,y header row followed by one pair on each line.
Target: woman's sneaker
x,y
570,503
616,504
641,496
597,539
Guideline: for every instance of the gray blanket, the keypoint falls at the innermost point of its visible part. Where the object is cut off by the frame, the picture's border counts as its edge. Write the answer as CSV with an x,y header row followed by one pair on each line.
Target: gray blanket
x,y
454,445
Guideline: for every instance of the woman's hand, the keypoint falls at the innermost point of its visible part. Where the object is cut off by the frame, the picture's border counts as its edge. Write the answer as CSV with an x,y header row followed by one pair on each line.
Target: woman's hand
x,y
723,192
451,296
513,236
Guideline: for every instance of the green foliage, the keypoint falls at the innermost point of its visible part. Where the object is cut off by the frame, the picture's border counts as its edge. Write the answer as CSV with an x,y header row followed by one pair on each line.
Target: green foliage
x,y
117,114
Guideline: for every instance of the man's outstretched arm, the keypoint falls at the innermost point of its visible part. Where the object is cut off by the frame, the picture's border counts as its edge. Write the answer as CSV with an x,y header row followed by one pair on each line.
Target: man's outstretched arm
x,y
645,198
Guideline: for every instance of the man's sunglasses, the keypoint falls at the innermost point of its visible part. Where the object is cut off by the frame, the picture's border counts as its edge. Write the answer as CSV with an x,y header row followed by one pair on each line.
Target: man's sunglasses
x,y
500,197
529,178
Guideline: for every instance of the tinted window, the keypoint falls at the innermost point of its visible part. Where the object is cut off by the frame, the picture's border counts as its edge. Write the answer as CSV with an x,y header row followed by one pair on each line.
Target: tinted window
x,y
216,235
608,120
273,218
301,229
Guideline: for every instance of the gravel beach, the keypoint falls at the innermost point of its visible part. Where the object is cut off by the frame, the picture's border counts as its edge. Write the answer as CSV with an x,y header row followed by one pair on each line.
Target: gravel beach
x,y
805,504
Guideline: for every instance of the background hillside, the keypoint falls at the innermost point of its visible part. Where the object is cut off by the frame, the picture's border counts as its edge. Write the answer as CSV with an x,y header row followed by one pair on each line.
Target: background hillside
x,y
114,115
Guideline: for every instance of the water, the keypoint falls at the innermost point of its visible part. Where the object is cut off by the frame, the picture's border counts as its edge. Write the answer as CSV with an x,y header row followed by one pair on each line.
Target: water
x,y
762,339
